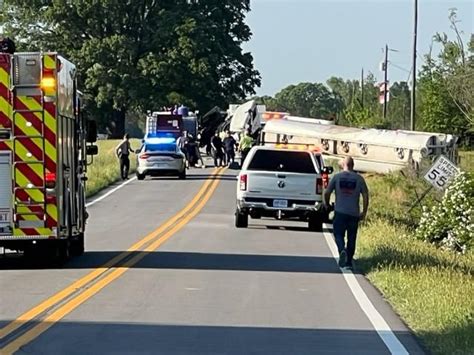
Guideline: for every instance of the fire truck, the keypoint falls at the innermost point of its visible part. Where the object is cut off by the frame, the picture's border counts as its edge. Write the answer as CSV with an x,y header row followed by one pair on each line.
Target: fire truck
x,y
45,147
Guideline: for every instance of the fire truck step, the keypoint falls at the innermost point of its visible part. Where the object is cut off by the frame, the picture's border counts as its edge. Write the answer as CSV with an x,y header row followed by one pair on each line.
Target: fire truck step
x,y
27,111
17,137
30,224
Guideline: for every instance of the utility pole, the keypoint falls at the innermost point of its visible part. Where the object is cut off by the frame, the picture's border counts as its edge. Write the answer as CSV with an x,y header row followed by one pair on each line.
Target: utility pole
x,y
413,80
362,88
385,82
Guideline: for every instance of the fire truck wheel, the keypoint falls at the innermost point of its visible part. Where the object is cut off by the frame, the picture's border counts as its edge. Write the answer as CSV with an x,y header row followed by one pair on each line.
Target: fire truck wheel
x,y
77,245
62,252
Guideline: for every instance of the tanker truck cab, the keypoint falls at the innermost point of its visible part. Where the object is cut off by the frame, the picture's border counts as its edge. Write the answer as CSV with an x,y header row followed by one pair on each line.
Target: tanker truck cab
x,y
285,182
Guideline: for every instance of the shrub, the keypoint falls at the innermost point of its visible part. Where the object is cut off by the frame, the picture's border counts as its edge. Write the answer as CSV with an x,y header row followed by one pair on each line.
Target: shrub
x,y
450,223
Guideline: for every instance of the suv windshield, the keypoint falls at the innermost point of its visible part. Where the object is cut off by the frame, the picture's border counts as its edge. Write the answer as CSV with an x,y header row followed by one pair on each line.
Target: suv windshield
x,y
287,161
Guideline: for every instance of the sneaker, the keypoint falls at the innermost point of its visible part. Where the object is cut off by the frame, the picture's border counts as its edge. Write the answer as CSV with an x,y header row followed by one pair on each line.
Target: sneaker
x,y
342,259
349,266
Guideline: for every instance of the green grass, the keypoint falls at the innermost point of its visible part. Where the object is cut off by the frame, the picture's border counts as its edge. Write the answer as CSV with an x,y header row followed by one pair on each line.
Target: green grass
x,y
105,168
431,289
466,160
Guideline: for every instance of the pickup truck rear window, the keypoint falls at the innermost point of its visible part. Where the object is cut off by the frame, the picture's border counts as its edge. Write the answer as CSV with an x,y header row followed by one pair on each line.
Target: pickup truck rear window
x,y
277,160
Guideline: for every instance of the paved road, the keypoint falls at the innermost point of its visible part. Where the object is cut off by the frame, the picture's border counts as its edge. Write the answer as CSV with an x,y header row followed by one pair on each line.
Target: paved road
x,y
200,287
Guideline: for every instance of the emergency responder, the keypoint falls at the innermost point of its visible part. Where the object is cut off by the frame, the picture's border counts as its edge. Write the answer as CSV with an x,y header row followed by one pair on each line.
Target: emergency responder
x,y
245,144
229,147
123,151
218,153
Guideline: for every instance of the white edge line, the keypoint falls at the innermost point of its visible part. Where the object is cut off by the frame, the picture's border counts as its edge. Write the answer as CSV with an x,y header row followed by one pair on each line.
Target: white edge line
x,y
110,192
380,325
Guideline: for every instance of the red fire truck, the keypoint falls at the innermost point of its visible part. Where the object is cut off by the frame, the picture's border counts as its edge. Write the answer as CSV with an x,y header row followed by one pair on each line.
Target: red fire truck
x,y
44,147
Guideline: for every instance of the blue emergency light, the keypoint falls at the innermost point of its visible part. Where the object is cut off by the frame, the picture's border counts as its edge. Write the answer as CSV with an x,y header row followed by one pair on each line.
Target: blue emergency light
x,y
160,140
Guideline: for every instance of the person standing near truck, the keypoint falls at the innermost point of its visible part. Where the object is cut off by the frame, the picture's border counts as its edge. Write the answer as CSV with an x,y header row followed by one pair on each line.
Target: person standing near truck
x,y
216,143
123,151
229,147
349,186
245,144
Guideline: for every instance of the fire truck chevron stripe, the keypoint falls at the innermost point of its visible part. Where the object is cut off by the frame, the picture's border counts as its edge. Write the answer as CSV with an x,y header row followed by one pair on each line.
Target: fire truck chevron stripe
x,y
5,107
49,61
28,103
34,145
52,213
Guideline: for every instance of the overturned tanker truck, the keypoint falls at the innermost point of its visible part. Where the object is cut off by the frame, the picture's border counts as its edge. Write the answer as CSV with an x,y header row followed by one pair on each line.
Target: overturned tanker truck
x,y
374,150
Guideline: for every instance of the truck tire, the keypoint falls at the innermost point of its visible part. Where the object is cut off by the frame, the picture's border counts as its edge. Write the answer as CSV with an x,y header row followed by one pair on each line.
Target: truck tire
x,y
140,176
315,223
241,219
77,245
182,175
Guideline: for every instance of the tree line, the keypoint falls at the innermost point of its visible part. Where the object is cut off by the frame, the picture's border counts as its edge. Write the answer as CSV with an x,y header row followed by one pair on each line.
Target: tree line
x,y
134,55
445,93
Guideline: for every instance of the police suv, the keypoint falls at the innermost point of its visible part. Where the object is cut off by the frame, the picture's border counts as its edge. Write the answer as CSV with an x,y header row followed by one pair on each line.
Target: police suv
x,y
282,182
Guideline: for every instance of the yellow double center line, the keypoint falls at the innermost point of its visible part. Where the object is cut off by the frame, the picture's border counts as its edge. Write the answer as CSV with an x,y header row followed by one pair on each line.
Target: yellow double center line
x,y
92,283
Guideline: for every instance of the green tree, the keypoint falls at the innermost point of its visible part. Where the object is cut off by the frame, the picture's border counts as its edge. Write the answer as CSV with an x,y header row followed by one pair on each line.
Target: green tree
x,y
445,84
134,55
399,105
353,110
308,100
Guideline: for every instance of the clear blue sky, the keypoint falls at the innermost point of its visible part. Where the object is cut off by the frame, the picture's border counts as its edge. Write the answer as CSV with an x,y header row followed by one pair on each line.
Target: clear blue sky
x,y
311,40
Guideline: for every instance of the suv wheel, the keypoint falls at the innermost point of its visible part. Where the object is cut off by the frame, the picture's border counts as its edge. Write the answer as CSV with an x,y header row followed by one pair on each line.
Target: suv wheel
x,y
182,175
140,176
241,219
315,223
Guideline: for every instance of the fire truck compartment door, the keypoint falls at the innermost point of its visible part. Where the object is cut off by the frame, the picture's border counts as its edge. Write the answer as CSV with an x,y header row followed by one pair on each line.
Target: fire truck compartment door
x,y
5,189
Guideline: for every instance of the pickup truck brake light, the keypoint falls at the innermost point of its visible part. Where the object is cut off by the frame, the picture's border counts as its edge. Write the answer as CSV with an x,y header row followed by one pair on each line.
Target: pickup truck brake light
x,y
243,182
325,177
144,156
319,186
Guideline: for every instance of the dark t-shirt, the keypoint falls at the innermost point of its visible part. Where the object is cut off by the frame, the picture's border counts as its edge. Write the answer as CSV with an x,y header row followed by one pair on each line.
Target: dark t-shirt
x,y
229,144
348,186
216,142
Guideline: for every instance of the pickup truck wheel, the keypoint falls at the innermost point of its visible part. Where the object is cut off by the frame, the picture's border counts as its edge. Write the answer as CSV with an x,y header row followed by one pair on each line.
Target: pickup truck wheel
x,y
182,175
140,176
315,223
241,219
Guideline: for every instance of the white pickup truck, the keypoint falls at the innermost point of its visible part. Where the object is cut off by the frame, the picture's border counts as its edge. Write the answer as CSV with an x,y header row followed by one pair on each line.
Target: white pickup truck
x,y
282,182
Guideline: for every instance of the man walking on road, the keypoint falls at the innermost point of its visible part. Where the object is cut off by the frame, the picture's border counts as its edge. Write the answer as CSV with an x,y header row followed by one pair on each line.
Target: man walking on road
x,y
216,143
123,150
348,186
229,146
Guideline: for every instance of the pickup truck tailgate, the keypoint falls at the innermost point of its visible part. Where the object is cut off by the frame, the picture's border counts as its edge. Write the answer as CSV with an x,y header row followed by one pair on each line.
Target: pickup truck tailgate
x,y
281,185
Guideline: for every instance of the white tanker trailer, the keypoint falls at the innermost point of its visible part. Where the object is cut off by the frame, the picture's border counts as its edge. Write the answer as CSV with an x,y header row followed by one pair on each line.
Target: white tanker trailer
x,y
374,150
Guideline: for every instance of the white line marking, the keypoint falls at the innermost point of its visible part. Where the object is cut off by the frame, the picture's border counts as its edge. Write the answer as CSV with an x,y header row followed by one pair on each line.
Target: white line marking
x,y
110,192
380,325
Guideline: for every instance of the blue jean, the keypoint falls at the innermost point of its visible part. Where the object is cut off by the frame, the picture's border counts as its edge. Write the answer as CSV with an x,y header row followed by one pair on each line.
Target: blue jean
x,y
345,223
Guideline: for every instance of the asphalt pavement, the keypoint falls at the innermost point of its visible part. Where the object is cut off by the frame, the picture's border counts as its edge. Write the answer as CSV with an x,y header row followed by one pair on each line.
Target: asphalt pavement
x,y
198,285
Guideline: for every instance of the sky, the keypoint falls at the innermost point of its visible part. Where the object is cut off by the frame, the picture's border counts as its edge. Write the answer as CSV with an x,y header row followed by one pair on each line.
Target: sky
x,y
311,40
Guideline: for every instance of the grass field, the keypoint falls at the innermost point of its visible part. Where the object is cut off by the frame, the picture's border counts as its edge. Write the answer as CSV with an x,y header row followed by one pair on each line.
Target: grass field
x,y
105,168
466,160
431,289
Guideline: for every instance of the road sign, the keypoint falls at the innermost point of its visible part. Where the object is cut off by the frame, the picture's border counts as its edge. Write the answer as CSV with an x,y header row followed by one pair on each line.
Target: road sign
x,y
441,173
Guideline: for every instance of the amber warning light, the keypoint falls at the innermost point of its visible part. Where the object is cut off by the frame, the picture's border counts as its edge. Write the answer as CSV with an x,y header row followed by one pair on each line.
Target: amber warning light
x,y
48,83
